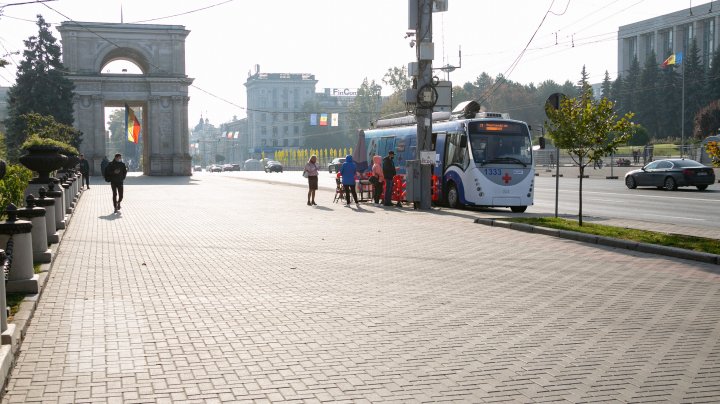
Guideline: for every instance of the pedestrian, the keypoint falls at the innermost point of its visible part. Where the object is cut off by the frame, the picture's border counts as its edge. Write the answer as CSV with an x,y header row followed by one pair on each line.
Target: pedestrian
x,y
378,185
389,172
85,171
103,165
347,171
115,174
311,170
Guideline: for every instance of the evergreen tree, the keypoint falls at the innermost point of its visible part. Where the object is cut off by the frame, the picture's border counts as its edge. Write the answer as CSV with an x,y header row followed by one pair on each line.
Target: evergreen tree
x,y
695,89
40,87
607,87
713,77
584,86
630,87
647,96
669,101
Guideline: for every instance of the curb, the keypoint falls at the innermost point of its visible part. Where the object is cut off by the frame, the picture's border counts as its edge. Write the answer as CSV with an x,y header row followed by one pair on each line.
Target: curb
x,y
607,241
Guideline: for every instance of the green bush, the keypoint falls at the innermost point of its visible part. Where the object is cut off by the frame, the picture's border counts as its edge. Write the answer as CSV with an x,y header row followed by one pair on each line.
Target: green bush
x,y
12,187
36,140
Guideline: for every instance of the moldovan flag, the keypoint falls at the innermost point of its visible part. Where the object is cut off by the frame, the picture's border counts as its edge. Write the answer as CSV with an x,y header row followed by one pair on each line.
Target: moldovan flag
x,y
132,125
323,119
334,119
674,59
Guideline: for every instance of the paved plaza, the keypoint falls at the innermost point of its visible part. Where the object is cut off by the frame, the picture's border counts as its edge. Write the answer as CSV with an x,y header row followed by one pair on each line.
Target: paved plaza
x,y
215,288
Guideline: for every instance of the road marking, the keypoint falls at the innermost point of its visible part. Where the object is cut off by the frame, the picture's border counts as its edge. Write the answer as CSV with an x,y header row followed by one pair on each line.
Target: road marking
x,y
638,195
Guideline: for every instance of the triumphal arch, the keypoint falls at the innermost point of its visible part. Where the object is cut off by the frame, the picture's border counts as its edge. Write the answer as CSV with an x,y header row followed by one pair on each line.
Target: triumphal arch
x,y
161,89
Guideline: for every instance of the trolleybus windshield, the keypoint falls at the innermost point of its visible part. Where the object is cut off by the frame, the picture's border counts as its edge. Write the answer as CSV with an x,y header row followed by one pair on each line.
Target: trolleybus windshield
x,y
496,142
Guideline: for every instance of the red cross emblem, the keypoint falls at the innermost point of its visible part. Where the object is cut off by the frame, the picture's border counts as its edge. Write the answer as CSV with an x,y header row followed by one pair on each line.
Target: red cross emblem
x,y
506,178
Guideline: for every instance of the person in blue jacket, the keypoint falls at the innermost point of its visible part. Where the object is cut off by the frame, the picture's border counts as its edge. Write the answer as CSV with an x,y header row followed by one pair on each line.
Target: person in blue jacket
x,y
347,171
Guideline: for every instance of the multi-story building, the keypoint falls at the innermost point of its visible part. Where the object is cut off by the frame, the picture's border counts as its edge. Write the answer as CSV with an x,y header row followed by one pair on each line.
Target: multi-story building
x,y
275,116
669,34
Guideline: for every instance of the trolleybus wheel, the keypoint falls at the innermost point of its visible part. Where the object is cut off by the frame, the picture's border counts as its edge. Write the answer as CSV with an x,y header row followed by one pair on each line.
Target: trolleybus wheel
x,y
452,196
518,209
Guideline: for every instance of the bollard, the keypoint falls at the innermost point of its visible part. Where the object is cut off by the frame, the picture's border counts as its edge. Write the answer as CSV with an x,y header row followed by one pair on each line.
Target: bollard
x,y
49,205
21,278
36,215
67,195
59,205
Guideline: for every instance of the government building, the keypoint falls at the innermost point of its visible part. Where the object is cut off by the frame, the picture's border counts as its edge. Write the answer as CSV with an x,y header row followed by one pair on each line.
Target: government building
x,y
669,34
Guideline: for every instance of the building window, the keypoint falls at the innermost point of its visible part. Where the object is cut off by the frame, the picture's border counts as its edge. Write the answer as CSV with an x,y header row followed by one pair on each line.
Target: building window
x,y
285,116
666,43
263,131
286,130
647,42
274,131
708,41
263,117
275,142
296,130
688,33
285,142
630,49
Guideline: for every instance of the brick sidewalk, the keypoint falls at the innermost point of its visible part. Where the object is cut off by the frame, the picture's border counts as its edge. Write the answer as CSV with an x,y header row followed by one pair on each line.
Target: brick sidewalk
x,y
214,288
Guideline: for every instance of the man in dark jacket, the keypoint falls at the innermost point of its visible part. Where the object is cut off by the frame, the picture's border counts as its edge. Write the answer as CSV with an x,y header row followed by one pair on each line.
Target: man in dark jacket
x,y
115,174
389,172
85,170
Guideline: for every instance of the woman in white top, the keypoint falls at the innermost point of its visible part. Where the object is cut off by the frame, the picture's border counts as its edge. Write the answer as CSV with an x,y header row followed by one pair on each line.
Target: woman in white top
x,y
311,168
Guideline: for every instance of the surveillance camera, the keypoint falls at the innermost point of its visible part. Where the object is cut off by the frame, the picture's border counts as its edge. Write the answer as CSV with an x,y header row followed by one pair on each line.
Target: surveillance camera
x,y
409,34
412,43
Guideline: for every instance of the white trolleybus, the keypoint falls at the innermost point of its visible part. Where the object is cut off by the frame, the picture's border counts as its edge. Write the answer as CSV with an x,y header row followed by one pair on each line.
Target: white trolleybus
x,y
481,158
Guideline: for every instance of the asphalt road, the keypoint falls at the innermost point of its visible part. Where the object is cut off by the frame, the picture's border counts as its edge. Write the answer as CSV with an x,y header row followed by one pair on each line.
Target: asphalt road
x,y
611,198
601,198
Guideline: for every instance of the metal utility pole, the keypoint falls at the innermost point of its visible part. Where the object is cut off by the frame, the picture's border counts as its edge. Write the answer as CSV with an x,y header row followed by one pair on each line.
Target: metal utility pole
x,y
426,96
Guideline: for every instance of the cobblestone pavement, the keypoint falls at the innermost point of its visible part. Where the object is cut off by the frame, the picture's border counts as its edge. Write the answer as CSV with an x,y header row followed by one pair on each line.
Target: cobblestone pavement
x,y
219,289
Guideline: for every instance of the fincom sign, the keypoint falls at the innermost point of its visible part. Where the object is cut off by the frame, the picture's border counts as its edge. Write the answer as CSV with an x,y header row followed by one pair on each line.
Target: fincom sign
x,y
343,92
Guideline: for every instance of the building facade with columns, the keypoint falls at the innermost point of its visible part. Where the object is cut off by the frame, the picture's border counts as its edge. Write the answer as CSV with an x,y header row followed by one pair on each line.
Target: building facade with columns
x,y
669,34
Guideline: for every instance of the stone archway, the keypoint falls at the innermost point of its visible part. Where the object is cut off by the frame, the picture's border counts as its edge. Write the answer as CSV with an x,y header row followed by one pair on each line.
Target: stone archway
x,y
161,90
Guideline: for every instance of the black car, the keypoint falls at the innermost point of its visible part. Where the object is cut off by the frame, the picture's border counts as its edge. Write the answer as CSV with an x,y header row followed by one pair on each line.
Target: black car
x,y
335,164
670,174
273,166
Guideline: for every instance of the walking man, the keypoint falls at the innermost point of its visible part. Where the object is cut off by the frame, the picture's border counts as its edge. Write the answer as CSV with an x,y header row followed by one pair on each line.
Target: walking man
x,y
115,174
85,170
388,167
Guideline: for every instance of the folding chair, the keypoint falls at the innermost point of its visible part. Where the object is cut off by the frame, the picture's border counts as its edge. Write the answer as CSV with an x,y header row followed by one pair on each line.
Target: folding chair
x,y
339,191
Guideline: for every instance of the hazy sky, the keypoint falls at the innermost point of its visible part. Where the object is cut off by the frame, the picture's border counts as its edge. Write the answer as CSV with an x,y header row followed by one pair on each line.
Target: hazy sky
x,y
343,41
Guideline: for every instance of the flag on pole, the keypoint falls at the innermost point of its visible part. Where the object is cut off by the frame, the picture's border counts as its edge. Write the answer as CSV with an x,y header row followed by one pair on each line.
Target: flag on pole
x,y
313,119
674,59
236,135
323,119
334,118
132,125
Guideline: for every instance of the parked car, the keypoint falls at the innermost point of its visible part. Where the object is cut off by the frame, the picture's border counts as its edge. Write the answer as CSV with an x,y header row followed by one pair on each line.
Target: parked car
x,y
227,167
235,167
670,174
252,165
335,164
215,168
197,168
273,166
